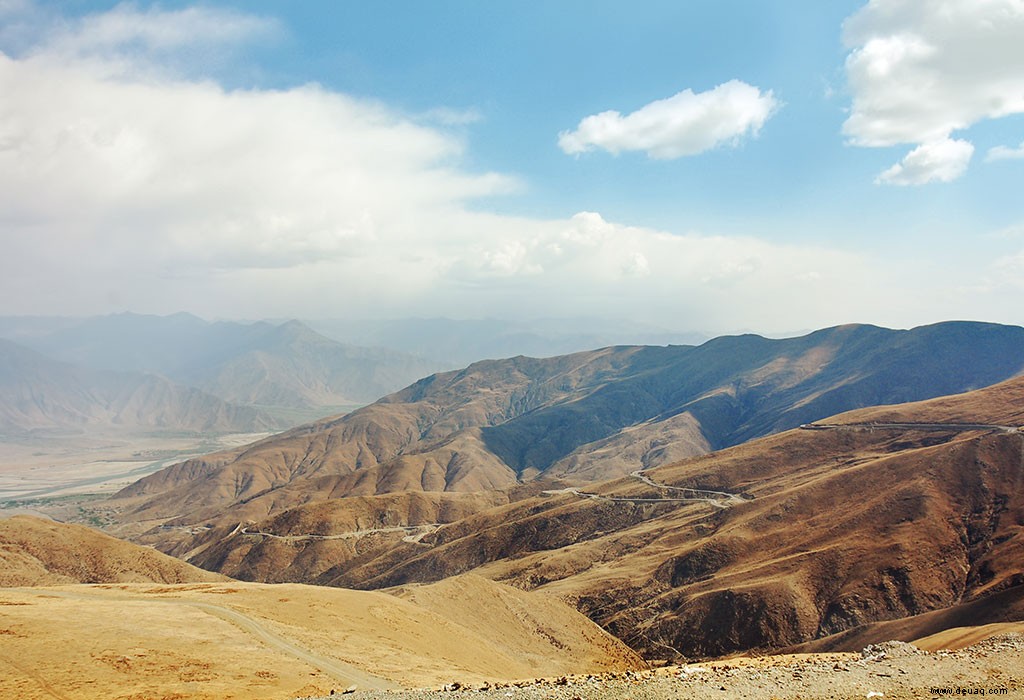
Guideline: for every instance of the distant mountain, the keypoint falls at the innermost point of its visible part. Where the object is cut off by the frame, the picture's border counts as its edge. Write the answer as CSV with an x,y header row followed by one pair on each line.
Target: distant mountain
x,y
38,394
275,366
581,418
291,365
457,343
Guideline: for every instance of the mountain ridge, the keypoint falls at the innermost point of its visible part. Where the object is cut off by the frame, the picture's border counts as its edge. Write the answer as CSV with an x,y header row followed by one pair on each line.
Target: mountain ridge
x,y
497,423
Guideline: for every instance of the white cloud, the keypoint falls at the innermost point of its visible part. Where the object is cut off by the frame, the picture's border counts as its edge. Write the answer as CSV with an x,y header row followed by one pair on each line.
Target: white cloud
x,y
128,41
123,187
685,124
920,71
941,161
127,27
1005,153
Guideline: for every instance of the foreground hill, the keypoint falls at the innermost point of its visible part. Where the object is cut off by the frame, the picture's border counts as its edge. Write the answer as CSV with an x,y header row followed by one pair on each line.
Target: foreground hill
x,y
253,641
579,418
892,670
38,394
875,515
35,552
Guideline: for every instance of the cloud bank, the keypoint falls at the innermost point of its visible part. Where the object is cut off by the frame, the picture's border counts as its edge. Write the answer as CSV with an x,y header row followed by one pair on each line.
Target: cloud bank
x,y
920,71
128,180
685,124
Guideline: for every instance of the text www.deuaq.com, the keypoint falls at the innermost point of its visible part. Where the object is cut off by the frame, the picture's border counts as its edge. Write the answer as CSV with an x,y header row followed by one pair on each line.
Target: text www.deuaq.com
x,y
969,691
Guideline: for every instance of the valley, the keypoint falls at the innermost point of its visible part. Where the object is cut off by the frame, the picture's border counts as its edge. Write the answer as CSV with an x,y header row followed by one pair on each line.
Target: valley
x,y
97,465
534,351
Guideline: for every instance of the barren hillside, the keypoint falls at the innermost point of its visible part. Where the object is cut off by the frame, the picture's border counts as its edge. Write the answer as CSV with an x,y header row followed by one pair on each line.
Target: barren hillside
x,y
775,542
580,418
216,641
35,552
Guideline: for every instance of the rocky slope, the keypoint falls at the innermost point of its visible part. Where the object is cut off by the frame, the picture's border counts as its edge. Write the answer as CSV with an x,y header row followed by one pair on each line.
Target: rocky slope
x,y
891,670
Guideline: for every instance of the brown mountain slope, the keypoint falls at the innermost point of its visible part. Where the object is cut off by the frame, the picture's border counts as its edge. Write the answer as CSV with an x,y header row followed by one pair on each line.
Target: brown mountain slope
x,y
309,542
36,552
949,628
253,641
581,418
838,528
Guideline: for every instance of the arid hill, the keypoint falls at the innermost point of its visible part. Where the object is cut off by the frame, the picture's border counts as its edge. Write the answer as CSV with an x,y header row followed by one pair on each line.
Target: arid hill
x,y
948,628
578,418
153,626
789,538
216,641
36,552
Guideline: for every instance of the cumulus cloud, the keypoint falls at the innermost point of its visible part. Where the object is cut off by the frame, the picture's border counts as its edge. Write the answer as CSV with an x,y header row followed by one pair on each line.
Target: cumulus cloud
x,y
919,71
940,161
1005,153
159,191
685,124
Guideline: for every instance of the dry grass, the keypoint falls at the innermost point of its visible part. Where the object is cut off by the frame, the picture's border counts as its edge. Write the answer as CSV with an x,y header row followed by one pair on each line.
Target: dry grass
x,y
239,640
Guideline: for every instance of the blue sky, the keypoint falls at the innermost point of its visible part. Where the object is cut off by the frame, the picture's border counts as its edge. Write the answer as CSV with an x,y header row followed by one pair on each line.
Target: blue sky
x,y
705,166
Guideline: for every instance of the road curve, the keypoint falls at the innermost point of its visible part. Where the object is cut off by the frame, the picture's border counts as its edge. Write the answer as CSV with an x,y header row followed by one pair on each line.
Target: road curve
x,y
717,499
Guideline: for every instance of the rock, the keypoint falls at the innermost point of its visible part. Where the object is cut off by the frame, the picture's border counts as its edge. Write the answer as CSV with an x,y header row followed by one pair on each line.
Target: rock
x,y
891,649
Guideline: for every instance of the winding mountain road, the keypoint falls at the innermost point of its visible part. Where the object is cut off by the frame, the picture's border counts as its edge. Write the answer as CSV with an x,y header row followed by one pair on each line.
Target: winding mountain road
x,y
959,427
414,533
717,499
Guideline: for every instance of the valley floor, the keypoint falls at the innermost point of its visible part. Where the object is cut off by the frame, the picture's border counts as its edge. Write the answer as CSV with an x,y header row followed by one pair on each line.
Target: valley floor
x,y
892,670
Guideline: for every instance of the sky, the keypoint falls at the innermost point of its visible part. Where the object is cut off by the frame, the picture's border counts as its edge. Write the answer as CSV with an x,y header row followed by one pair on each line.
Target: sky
x,y
707,166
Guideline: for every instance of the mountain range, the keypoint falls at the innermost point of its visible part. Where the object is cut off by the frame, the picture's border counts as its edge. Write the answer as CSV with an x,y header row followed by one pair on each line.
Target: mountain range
x,y
879,514
581,418
284,373
39,395
693,501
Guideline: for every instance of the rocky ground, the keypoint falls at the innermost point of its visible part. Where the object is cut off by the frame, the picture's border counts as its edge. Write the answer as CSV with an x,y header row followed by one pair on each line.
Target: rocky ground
x,y
889,670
